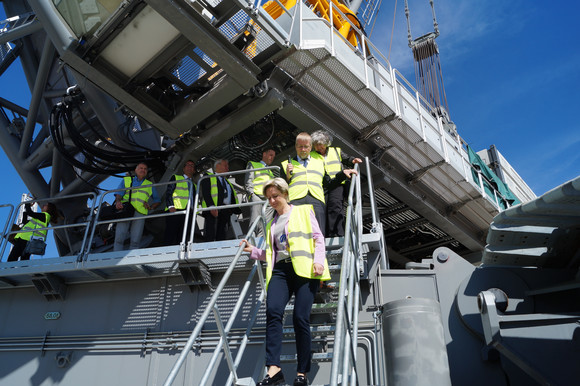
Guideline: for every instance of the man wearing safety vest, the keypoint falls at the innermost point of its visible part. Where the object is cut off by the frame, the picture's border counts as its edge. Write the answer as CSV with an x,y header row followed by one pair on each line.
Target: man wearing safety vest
x,y
48,215
217,191
307,177
139,198
255,183
334,159
176,199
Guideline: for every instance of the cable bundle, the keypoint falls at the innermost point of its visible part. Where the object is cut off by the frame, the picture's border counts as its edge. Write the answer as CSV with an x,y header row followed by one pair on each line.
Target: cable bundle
x,y
101,156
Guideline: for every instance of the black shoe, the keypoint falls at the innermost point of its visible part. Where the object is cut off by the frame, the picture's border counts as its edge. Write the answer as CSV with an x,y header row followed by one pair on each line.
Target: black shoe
x,y
277,379
326,288
300,380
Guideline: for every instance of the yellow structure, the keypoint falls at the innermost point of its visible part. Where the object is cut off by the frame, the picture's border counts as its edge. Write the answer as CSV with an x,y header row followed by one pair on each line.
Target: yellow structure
x,y
322,9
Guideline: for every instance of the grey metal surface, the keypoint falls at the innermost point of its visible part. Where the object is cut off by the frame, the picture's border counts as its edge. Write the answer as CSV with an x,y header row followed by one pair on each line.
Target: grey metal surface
x,y
305,88
544,232
414,343
131,313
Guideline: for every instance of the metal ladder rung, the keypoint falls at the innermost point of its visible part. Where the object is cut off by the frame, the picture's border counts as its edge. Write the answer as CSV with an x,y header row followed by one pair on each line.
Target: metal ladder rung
x,y
320,330
316,357
317,308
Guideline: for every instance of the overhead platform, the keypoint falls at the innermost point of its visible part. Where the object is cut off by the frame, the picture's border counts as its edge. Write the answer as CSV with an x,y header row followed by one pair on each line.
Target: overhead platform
x,y
188,79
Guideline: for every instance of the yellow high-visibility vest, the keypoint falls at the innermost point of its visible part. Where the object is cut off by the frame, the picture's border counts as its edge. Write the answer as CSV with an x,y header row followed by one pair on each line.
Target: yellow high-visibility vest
x,y
181,193
214,191
33,224
139,196
300,244
260,177
306,179
333,161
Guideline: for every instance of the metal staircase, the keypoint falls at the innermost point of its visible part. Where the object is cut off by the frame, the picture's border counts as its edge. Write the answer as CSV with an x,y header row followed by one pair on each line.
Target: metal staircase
x,y
334,315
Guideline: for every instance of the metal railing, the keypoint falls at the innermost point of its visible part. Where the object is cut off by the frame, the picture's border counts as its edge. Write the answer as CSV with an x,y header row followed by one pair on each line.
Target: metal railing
x,y
224,330
103,197
93,220
344,362
55,200
212,305
5,231
198,198
430,125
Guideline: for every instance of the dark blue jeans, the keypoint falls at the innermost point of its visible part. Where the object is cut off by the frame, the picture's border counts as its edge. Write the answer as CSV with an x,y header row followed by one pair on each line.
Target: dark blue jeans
x,y
283,283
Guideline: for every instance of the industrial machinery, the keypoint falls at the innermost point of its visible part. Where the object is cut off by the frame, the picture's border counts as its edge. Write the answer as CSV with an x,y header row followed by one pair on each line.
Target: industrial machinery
x,y
117,82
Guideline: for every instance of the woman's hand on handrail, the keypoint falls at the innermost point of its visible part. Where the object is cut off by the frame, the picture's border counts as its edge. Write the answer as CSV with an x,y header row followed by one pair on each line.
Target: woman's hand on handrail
x,y
349,172
247,246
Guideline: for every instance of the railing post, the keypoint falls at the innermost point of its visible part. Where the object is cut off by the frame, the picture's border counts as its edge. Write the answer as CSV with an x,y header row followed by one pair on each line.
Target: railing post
x,y
365,62
6,231
331,29
443,139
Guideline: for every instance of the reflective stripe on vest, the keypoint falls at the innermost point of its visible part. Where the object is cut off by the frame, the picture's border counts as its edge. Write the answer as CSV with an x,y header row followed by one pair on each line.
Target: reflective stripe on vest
x,y
139,195
301,245
309,179
214,191
34,223
260,178
181,193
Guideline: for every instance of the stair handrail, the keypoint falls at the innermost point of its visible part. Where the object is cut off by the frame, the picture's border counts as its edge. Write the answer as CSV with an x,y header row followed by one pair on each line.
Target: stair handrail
x,y
256,268
346,331
212,304
211,307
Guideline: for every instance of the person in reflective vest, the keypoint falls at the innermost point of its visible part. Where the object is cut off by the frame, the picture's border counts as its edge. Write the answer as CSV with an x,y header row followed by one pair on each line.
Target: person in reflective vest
x,y
254,183
307,177
334,159
48,215
139,199
176,199
295,258
217,191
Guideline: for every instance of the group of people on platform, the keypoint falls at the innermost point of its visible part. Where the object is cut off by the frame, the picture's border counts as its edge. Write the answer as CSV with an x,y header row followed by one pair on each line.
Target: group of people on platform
x,y
315,177
305,205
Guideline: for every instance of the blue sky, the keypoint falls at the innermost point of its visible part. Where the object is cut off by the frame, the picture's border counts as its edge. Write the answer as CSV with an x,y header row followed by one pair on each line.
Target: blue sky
x,y
511,73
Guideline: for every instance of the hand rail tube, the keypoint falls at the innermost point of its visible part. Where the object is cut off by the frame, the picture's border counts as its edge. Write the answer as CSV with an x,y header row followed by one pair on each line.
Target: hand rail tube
x,y
212,306
101,199
199,326
196,208
87,223
8,221
347,257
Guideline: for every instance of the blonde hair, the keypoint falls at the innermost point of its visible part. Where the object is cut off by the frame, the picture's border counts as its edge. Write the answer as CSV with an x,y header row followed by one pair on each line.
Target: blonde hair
x,y
304,135
278,183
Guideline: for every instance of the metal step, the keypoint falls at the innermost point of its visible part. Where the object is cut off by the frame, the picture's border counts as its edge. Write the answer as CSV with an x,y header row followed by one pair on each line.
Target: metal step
x,y
316,357
320,330
324,308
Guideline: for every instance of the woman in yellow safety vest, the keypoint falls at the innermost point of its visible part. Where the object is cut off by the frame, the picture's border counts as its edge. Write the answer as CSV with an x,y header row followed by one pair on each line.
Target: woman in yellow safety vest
x,y
334,159
295,264
48,215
